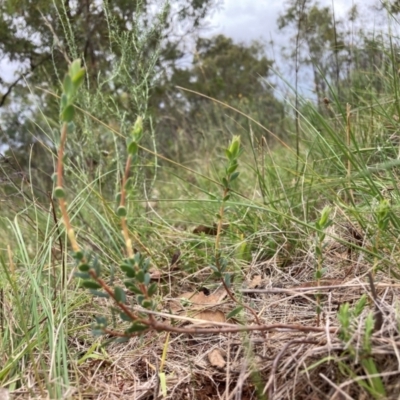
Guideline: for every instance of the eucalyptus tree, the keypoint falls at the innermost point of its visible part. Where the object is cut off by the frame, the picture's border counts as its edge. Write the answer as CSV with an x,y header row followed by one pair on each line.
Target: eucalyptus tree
x,y
124,45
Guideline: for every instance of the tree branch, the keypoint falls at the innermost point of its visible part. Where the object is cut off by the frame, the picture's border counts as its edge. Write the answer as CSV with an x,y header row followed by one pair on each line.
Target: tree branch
x,y
22,76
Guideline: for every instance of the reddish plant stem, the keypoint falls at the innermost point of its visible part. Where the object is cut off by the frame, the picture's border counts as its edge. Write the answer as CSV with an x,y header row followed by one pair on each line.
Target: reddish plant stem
x,y
218,265
62,202
125,232
153,324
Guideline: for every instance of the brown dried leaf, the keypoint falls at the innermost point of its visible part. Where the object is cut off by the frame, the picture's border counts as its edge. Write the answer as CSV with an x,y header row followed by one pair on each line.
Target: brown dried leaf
x,y
216,358
198,305
200,299
210,315
256,281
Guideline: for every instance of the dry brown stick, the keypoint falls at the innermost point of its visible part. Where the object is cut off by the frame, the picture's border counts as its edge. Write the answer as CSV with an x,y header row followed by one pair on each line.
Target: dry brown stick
x,y
163,327
337,388
313,288
378,313
61,201
63,270
153,324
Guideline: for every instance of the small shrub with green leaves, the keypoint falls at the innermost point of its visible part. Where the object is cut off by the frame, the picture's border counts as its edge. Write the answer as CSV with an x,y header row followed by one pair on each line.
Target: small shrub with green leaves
x,y
135,267
348,317
321,225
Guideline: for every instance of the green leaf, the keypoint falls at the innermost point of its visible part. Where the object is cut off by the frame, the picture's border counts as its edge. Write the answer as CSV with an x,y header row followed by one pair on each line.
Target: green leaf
x,y
67,114
101,321
78,255
59,192
323,220
121,212
119,295
97,332
377,387
214,268
133,148
235,146
140,299
75,67
140,276
145,264
137,258
128,270
137,130
234,312
232,168
217,274
78,78
228,154
234,176
84,267
136,327
152,289
147,304
344,320
91,285
360,305
118,197
369,328
146,278
125,317
63,102
82,275
68,88
96,266
226,198
132,287
227,280
98,293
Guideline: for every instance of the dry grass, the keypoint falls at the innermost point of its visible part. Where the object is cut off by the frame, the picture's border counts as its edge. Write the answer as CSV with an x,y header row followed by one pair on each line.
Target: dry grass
x,y
280,364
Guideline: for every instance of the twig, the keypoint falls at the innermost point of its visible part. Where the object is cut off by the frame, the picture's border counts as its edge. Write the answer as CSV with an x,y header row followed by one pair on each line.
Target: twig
x,y
378,316
22,76
125,232
313,288
63,270
338,388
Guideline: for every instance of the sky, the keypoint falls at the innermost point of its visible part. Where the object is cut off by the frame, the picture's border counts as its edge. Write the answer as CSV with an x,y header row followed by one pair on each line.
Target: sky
x,y
246,20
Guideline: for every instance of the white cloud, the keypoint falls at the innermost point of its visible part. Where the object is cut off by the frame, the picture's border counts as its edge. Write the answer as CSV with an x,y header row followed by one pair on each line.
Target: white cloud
x,y
246,20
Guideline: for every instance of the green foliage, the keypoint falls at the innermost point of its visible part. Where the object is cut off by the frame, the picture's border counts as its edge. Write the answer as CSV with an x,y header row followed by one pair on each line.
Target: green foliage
x,y
126,47
272,210
321,225
72,81
233,73
319,42
348,319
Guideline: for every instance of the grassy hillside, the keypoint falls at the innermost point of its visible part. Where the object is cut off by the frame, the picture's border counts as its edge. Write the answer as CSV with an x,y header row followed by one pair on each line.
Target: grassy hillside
x,y
281,282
